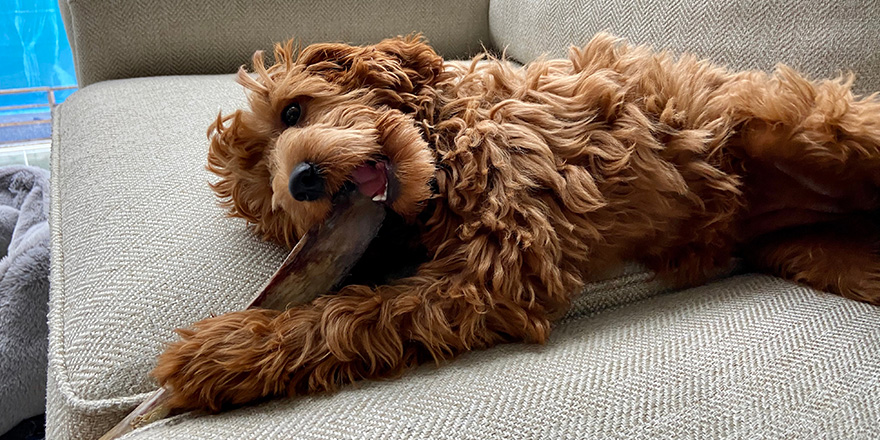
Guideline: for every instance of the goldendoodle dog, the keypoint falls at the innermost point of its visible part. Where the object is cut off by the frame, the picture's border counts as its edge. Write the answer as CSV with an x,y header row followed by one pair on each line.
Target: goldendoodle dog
x,y
508,187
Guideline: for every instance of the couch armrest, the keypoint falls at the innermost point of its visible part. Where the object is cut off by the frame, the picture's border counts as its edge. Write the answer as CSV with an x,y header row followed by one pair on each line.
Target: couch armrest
x,y
129,38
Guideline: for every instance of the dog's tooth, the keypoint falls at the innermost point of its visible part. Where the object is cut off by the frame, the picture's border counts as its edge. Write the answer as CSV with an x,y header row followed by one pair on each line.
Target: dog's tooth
x,y
380,198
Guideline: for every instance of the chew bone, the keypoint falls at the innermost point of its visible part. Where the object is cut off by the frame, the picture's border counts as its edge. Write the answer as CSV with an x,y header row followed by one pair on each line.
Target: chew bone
x,y
321,258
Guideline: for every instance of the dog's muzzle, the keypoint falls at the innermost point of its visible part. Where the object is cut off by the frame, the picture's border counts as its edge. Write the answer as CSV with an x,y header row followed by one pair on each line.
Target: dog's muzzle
x,y
374,179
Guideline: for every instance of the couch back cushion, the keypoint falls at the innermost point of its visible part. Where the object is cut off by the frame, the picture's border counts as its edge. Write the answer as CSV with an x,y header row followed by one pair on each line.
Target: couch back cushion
x,y
129,38
821,38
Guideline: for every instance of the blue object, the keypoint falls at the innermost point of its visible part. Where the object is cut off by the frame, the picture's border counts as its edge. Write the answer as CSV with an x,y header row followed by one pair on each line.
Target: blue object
x,y
34,52
33,47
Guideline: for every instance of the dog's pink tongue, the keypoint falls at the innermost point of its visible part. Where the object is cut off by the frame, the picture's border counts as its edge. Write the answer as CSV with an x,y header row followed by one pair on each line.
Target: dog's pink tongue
x,y
371,179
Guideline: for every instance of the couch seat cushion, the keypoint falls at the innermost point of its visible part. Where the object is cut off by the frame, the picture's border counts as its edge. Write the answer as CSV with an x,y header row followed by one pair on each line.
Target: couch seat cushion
x,y
140,246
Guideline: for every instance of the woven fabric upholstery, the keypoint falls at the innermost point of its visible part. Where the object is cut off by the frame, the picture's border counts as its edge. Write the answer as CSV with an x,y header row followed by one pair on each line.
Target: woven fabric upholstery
x,y
822,38
745,358
140,246
129,38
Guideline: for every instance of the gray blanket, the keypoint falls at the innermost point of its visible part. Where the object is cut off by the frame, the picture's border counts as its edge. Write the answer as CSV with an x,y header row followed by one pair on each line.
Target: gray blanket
x,y
24,292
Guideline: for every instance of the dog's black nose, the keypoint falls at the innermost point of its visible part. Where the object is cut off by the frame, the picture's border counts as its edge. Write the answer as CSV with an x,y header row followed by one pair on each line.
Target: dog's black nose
x,y
306,182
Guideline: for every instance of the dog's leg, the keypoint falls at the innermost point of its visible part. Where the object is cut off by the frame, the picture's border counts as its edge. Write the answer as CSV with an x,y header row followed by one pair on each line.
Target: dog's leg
x,y
838,256
812,159
818,125
818,133
356,333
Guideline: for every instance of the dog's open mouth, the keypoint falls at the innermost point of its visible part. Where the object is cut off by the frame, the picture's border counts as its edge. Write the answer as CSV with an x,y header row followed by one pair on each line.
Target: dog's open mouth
x,y
394,251
375,179
386,247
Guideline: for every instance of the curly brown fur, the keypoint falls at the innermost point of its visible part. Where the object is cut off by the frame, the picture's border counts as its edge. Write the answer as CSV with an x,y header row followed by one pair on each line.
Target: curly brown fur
x,y
542,175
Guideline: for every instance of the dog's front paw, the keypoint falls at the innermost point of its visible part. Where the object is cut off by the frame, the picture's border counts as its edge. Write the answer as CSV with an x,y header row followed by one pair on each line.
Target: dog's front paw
x,y
224,361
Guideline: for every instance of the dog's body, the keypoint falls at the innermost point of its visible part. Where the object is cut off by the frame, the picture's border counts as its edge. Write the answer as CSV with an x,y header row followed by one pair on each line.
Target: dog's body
x,y
515,185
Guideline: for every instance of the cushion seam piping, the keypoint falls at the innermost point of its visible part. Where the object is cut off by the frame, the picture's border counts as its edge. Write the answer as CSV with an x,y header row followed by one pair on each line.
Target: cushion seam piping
x,y
60,371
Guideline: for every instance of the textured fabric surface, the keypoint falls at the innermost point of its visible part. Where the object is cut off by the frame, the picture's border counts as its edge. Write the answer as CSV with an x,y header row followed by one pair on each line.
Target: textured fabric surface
x,y
128,38
821,38
140,247
24,292
745,358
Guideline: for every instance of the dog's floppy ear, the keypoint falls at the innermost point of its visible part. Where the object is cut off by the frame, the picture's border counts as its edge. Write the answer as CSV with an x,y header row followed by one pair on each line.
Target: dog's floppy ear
x,y
402,64
237,155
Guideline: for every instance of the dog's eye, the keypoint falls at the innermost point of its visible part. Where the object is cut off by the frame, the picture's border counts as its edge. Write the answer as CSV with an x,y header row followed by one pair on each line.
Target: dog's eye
x,y
290,115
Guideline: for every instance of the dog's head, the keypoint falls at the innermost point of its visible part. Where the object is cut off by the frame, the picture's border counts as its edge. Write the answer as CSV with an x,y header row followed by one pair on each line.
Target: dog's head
x,y
332,118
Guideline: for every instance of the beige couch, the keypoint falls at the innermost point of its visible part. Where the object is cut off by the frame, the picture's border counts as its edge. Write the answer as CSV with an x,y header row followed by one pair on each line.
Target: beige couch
x,y
140,247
